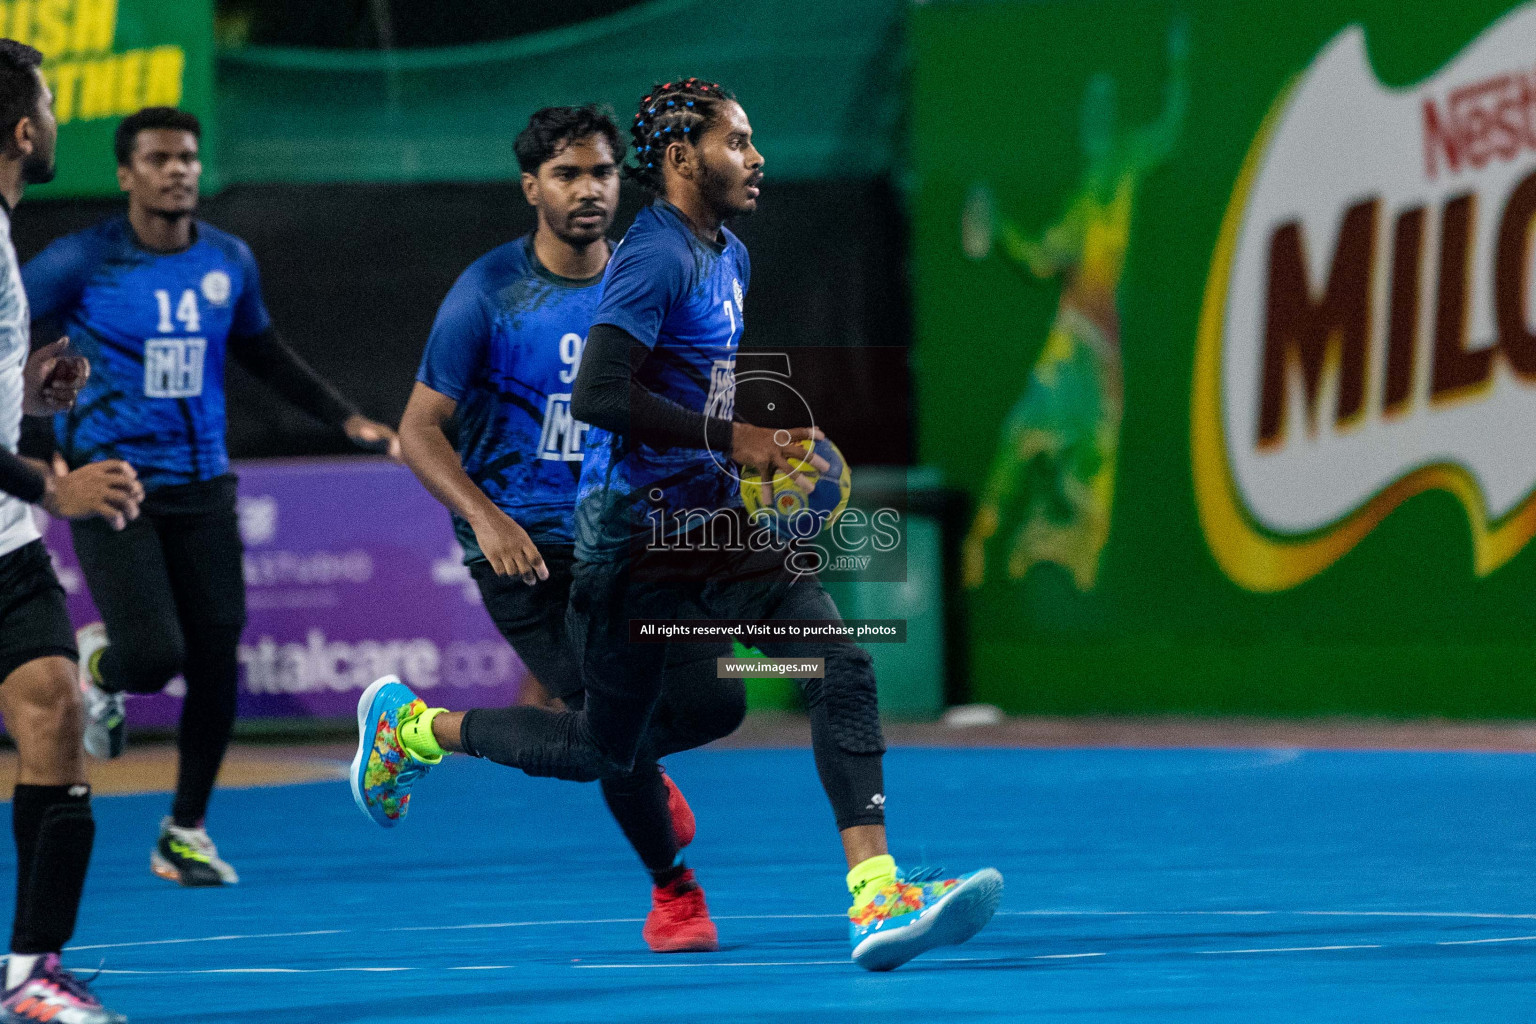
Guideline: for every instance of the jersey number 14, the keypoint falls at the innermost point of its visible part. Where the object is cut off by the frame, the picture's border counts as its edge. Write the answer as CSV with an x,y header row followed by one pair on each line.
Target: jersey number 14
x,y
173,367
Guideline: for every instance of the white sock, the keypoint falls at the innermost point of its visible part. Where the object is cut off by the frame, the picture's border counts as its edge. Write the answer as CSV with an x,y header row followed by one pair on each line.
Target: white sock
x,y
18,967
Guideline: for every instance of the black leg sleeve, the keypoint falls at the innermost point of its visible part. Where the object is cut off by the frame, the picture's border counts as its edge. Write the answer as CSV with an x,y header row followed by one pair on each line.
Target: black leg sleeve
x,y
54,835
621,681
207,722
204,553
844,710
854,782
537,740
638,802
695,708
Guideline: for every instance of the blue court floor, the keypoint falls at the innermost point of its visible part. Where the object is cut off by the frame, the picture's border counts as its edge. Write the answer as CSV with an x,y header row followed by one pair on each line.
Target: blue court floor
x,y
1178,886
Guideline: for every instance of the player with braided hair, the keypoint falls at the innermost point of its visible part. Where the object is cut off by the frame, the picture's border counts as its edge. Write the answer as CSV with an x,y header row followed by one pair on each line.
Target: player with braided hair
x,y
488,431
657,385
673,111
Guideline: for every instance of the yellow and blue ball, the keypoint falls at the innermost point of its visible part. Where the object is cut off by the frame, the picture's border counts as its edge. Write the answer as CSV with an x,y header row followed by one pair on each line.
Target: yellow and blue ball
x,y
796,515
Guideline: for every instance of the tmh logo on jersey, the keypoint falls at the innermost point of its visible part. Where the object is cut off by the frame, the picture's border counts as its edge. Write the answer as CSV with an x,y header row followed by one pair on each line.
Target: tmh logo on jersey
x,y
721,403
563,435
173,367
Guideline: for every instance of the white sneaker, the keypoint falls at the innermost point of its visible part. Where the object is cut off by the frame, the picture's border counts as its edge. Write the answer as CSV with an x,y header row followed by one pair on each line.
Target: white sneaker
x,y
106,720
187,856
50,993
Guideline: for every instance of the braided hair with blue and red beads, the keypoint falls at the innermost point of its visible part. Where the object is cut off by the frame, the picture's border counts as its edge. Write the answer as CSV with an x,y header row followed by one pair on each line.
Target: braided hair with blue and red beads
x,y
679,111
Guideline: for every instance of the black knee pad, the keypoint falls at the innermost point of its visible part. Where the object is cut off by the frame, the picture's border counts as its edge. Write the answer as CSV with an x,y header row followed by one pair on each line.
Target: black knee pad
x,y
45,917
852,703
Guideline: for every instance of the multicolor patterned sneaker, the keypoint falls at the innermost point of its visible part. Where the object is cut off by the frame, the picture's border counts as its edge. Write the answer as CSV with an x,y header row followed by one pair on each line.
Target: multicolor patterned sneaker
x,y
384,770
919,911
51,995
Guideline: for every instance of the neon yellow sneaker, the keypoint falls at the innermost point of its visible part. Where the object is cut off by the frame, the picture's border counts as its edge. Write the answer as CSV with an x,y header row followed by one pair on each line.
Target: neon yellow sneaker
x,y
188,857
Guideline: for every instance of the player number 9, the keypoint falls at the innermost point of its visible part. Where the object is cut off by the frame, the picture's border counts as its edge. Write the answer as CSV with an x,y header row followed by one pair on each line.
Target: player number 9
x,y
570,355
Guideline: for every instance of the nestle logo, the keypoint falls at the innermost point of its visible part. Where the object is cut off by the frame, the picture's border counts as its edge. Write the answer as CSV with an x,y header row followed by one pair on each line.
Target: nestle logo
x,y
1488,120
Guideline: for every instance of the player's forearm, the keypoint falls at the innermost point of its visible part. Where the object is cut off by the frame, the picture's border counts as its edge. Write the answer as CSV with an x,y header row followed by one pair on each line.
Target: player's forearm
x,y
427,452
662,423
607,395
273,362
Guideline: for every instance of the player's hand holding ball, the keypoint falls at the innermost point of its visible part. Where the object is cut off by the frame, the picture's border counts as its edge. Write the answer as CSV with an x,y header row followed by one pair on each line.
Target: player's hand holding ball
x,y
765,453
54,379
109,489
799,502
507,546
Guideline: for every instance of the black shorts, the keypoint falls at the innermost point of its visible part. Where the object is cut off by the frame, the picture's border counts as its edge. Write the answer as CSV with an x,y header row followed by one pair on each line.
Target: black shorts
x,y
533,621
532,618
33,620
170,586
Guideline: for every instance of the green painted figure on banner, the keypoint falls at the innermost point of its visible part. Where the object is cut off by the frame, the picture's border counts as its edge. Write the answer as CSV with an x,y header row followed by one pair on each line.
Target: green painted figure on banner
x,y
1053,478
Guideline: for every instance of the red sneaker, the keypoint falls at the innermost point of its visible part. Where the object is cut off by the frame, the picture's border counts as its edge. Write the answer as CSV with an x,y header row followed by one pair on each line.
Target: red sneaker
x,y
679,920
683,825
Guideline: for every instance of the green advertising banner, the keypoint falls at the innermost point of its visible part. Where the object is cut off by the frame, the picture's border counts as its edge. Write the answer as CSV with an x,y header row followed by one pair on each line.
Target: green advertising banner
x,y
108,58
1225,318
822,81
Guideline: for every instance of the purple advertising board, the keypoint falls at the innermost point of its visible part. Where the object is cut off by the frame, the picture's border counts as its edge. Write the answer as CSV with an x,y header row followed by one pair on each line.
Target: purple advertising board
x,y
352,572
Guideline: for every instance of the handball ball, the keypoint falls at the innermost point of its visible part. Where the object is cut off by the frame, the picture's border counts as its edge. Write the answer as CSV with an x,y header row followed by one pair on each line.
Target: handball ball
x,y
796,514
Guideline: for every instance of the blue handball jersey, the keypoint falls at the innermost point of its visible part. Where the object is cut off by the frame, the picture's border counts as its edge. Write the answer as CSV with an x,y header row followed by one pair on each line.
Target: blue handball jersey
x,y
155,327
682,298
506,347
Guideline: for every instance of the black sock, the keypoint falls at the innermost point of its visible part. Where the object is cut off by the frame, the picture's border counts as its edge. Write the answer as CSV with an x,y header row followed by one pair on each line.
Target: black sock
x,y
54,834
667,876
638,802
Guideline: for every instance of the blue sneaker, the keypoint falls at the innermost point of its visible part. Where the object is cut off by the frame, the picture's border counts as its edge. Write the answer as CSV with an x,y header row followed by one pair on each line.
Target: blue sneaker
x,y
384,770
919,911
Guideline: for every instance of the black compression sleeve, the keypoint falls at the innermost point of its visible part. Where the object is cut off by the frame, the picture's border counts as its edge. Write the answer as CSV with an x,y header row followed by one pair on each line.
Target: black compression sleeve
x,y
21,480
270,359
606,395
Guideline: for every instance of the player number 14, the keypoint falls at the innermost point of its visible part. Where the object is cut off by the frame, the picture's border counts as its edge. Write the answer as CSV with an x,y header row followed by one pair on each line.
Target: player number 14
x,y
186,311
